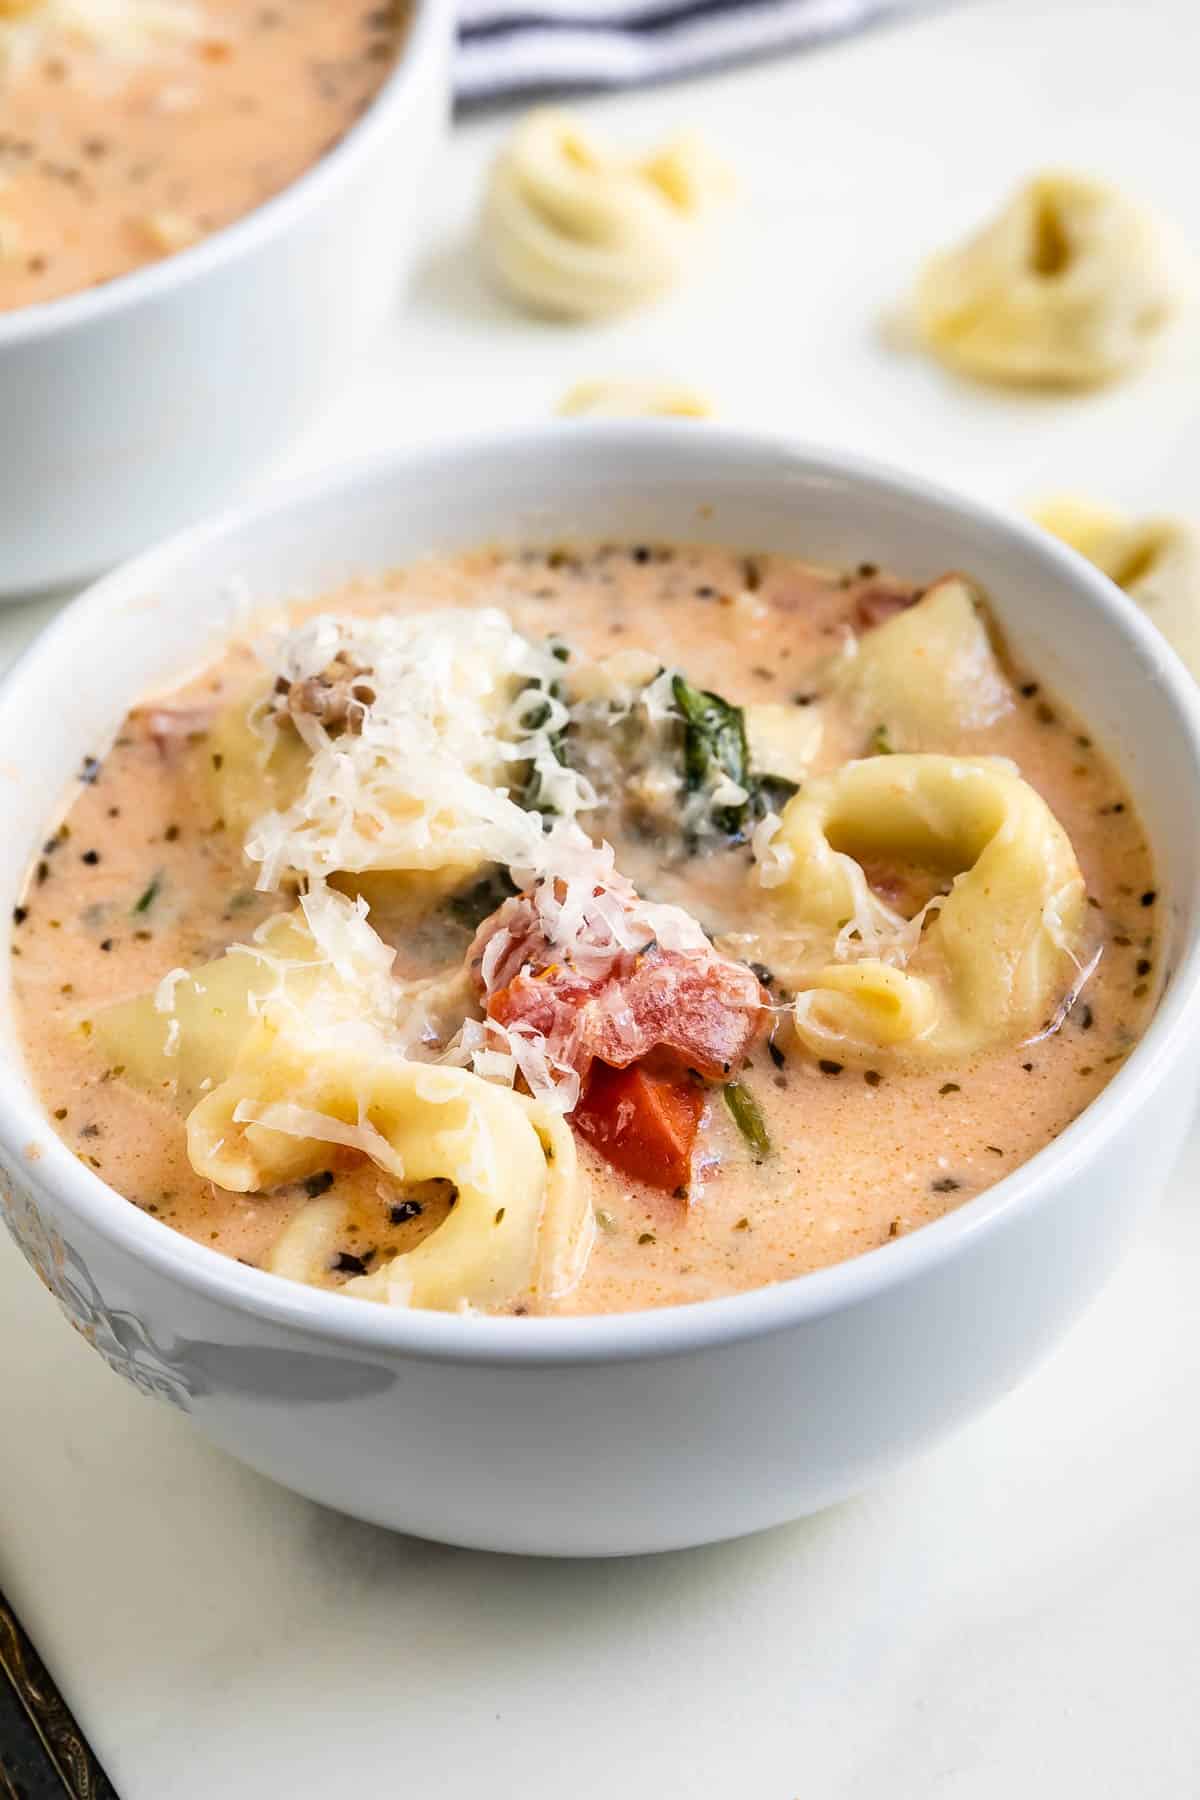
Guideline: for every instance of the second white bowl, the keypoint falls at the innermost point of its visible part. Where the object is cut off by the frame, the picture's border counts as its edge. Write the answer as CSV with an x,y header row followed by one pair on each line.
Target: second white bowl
x,y
129,410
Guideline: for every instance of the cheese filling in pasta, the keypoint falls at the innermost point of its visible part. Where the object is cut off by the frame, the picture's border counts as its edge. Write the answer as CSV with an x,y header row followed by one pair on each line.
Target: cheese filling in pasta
x,y
586,928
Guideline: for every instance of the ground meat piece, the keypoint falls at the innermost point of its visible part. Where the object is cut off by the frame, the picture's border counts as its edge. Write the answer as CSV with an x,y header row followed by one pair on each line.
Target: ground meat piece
x,y
337,698
876,604
691,1007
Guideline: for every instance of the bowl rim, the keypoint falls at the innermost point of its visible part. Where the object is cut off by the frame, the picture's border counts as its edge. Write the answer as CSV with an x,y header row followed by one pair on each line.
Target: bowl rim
x,y
156,280
332,1318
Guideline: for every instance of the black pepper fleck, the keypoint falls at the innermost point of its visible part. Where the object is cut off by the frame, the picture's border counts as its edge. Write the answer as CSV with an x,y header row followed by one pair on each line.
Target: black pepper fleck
x,y
346,1264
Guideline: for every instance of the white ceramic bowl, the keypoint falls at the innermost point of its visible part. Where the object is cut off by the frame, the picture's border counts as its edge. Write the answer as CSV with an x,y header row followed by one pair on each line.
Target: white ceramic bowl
x,y
134,408
663,1428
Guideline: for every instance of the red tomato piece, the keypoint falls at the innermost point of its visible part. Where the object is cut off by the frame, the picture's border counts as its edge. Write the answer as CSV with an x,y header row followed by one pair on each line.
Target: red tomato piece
x,y
643,1123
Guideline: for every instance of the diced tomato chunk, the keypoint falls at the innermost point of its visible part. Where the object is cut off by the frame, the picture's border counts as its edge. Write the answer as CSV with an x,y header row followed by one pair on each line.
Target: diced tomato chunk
x,y
643,1123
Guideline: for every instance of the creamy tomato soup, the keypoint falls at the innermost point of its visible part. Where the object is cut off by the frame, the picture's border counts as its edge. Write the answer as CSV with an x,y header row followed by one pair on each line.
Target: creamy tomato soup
x,y
129,131
878,922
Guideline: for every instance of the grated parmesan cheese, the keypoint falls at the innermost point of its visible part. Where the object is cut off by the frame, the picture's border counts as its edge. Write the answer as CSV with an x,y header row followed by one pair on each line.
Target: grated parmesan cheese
x,y
164,993
461,704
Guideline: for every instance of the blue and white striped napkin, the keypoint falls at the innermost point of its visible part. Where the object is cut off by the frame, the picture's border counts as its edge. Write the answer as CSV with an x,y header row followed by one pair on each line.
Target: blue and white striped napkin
x,y
525,46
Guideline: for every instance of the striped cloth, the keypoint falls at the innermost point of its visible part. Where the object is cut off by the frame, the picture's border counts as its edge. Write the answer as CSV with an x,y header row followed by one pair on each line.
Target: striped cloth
x,y
510,47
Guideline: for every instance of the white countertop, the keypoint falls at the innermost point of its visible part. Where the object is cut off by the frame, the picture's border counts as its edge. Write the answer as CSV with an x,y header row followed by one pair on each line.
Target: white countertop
x,y
1016,1614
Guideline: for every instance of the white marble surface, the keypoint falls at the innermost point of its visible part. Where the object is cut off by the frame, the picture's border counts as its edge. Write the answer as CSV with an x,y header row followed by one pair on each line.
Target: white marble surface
x,y
1016,1613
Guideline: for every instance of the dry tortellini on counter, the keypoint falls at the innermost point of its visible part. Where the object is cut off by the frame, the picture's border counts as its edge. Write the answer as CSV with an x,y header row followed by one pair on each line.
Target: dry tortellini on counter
x,y
984,962
1067,286
633,400
576,230
1155,560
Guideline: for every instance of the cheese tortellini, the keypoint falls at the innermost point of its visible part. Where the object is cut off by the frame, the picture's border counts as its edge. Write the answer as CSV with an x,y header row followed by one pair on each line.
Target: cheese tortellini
x,y
304,1038
633,400
784,739
521,1223
928,674
1067,287
987,962
575,230
394,746
1155,560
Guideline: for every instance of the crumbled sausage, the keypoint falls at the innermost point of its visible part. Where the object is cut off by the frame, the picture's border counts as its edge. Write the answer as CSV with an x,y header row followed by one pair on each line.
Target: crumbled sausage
x,y
337,698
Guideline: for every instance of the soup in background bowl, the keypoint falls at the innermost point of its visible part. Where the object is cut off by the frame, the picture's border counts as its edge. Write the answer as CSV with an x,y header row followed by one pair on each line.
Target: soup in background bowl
x,y
128,133
661,1423
244,183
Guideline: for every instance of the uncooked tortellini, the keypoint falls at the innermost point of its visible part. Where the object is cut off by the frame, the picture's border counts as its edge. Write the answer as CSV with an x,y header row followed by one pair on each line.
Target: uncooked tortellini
x,y
1066,287
633,400
1155,560
574,229
987,962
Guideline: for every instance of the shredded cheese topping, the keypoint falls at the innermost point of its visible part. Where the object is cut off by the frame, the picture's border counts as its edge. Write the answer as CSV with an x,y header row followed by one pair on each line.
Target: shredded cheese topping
x,y
459,704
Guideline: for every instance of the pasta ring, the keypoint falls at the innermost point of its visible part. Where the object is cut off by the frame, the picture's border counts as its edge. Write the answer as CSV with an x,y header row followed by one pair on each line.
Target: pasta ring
x,y
633,400
573,230
1066,287
994,953
1156,561
521,1224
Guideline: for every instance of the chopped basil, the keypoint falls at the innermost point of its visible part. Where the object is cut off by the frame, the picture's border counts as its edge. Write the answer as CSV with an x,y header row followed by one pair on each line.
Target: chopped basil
x,y
531,794
715,748
747,1117
148,896
470,908
881,742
